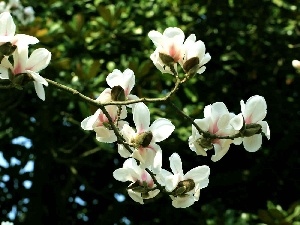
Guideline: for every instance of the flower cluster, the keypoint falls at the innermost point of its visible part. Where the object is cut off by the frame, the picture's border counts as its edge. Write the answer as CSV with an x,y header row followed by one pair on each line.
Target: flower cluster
x,y
139,143
171,48
218,122
24,68
25,15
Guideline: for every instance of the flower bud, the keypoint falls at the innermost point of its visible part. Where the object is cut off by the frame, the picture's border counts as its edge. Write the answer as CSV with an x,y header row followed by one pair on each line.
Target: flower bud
x,y
183,187
19,80
205,143
191,66
166,59
143,139
7,49
117,93
251,129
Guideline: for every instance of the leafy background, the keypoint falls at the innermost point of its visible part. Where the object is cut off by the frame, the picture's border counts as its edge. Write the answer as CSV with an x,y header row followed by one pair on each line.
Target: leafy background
x,y
252,44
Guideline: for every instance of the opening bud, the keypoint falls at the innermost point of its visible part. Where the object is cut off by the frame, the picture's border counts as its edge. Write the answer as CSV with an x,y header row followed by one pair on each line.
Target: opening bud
x,y
118,93
251,129
191,66
143,139
183,187
166,59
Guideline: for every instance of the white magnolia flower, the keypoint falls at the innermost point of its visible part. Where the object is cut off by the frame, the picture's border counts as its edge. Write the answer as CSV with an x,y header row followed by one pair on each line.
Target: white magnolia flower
x,y
143,140
38,60
169,43
253,112
194,49
185,187
126,80
7,32
99,121
216,121
139,178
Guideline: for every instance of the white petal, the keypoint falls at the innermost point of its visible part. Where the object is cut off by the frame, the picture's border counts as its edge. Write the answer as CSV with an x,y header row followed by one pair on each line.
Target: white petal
x,y
221,149
87,123
141,117
171,181
7,25
265,128
176,164
121,174
253,143
156,37
218,109
183,202
255,109
161,129
39,89
4,72
201,70
237,122
205,59
203,124
123,151
135,196
157,162
23,40
38,60
38,78
198,173
105,135
174,32
194,146
153,193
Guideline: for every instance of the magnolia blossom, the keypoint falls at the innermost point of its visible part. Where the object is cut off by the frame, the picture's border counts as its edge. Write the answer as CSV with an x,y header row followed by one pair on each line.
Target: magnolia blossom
x,y
170,44
7,32
253,112
216,121
143,140
140,179
184,187
195,56
99,121
126,80
38,60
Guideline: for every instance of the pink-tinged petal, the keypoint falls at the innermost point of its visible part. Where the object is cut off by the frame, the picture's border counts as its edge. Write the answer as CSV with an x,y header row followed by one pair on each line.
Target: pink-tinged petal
x,y
237,122
161,129
135,196
38,78
7,25
253,143
105,96
140,156
176,164
38,60
141,117
265,128
198,174
183,202
221,149
20,57
39,89
218,109
87,123
255,109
